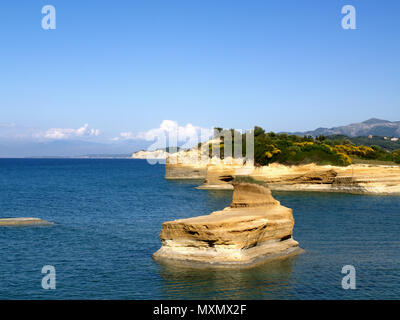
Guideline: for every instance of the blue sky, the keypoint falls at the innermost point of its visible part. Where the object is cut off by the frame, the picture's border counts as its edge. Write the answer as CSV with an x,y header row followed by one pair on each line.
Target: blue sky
x,y
125,66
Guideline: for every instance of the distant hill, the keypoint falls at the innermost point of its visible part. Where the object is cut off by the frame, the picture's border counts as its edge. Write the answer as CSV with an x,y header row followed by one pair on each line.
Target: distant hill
x,y
375,127
386,144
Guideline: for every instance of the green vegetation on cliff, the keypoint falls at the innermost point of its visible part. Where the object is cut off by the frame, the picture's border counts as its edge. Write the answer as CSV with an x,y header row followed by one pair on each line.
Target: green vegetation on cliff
x,y
270,147
247,179
383,142
291,149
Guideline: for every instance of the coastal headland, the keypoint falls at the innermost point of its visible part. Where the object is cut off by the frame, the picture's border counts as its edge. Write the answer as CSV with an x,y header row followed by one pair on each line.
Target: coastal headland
x,y
292,163
355,178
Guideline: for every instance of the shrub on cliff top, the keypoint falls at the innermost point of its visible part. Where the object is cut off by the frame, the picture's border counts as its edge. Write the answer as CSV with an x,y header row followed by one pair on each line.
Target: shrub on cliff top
x,y
270,147
396,156
248,179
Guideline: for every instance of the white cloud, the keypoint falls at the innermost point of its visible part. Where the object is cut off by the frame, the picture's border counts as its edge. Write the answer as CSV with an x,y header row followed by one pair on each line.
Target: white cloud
x,y
125,136
172,131
62,133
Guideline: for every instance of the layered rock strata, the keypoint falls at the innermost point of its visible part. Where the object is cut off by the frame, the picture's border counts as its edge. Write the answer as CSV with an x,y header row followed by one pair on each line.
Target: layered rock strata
x,y
357,178
181,171
253,229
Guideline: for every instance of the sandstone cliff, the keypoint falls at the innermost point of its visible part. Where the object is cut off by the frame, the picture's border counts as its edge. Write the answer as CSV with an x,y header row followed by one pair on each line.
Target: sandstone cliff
x,y
194,164
356,178
181,171
253,229
156,154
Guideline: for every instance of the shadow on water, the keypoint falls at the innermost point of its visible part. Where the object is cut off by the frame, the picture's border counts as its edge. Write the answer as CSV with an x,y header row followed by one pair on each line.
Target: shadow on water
x,y
219,195
185,182
267,281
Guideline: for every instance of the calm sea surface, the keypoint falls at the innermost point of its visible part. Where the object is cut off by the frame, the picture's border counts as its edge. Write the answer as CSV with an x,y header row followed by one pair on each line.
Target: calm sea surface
x,y
108,216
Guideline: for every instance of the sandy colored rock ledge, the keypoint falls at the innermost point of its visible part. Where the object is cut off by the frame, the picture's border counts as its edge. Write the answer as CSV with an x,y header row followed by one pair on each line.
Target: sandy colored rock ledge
x,y
6,222
357,178
181,172
255,228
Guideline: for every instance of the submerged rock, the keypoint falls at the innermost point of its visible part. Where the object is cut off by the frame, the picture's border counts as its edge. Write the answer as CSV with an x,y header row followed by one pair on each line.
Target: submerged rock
x,y
255,228
6,222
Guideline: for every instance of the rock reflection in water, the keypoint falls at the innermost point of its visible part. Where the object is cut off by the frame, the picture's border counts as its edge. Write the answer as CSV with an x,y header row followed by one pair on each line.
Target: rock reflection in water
x,y
270,280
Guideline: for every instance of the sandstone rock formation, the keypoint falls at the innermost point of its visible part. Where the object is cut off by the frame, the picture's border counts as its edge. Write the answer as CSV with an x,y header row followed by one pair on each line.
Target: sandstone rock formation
x,y
253,229
181,171
156,154
356,178
7,222
219,177
194,164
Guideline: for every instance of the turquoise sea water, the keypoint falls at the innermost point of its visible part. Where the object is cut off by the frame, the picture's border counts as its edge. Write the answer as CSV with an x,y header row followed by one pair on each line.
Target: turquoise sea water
x,y
108,216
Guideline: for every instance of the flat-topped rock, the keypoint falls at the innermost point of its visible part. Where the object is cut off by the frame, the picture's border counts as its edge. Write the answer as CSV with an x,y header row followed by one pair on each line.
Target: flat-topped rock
x,y
253,229
5,222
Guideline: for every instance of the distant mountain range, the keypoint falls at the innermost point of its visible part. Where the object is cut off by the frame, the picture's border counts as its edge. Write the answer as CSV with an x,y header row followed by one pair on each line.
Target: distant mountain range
x,y
375,127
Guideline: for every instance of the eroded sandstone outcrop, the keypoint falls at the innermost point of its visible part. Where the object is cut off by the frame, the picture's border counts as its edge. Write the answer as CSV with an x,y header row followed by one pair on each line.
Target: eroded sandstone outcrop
x,y
183,172
253,229
9,222
218,177
356,178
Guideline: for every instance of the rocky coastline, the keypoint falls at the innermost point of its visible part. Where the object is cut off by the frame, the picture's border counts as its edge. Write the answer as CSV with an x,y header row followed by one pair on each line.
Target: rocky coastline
x,y
356,178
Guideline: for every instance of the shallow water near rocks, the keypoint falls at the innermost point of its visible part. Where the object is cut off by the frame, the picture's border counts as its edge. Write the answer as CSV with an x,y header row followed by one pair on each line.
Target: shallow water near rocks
x,y
108,216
